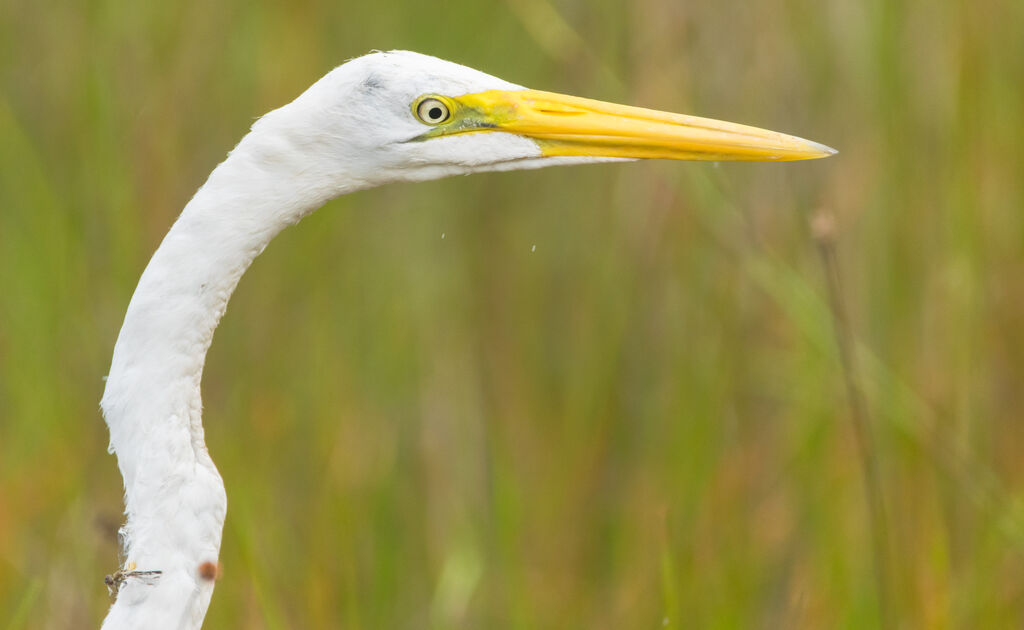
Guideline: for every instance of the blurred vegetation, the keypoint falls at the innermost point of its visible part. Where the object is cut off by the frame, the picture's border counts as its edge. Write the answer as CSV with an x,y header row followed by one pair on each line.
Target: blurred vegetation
x,y
593,397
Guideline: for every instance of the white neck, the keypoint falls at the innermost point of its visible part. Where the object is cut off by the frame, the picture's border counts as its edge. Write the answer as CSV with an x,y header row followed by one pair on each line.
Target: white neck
x,y
174,497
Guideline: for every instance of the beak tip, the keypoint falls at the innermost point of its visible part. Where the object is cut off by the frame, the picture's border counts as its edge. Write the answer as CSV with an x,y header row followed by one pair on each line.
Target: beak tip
x,y
823,150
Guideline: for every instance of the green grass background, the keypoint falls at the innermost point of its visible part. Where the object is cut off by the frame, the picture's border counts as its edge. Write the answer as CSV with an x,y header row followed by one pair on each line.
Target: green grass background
x,y
590,397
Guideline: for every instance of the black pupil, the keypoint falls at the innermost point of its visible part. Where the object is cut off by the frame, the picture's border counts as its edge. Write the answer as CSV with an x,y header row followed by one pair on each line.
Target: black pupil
x,y
435,113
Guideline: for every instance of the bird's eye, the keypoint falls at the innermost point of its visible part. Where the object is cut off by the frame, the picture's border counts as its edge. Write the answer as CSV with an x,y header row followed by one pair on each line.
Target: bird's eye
x,y
432,111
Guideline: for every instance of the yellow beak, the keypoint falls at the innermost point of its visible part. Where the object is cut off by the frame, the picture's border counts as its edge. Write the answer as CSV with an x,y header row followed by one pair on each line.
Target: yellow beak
x,y
568,125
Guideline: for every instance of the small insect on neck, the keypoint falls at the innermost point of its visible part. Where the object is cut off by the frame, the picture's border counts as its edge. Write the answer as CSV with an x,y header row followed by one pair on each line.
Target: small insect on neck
x,y
116,580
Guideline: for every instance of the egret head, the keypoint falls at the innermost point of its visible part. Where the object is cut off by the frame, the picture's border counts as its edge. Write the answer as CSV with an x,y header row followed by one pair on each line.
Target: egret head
x,y
403,116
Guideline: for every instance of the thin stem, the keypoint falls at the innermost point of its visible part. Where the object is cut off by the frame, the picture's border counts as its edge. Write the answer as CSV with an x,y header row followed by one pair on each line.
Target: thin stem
x,y
823,228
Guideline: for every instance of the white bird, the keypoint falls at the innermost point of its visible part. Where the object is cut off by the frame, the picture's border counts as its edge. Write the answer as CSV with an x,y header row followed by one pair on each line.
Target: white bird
x,y
381,118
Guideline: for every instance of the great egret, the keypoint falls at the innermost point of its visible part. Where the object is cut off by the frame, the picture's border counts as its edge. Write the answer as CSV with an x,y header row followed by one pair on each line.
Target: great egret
x,y
381,118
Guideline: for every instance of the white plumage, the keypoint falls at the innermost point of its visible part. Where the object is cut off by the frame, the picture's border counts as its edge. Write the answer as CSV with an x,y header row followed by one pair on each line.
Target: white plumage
x,y
355,128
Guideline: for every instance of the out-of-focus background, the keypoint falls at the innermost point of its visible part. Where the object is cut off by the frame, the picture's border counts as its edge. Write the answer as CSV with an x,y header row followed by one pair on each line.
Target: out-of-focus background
x,y
593,397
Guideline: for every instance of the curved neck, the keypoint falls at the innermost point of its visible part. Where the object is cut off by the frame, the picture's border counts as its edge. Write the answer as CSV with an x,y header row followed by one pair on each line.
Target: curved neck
x,y
174,497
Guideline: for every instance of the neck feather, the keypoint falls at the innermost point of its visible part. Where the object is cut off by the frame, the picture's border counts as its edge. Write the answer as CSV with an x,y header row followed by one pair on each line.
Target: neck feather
x,y
174,496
